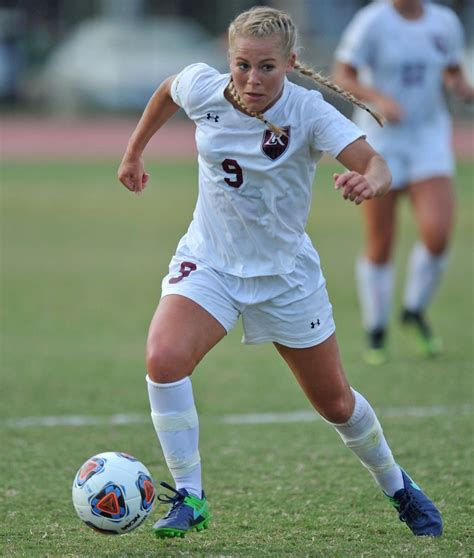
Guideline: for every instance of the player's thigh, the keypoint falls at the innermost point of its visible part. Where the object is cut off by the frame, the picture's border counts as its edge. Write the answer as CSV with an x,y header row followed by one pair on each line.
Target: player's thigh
x,y
181,333
433,201
380,226
319,372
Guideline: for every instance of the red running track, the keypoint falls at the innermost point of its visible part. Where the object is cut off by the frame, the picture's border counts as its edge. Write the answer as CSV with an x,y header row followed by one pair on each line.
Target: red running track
x,y
29,138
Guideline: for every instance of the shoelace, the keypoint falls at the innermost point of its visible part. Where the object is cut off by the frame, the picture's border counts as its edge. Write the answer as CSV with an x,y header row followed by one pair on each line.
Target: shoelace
x,y
175,500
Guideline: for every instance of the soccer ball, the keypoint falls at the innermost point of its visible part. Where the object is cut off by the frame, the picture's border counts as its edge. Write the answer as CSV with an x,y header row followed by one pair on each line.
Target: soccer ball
x,y
113,493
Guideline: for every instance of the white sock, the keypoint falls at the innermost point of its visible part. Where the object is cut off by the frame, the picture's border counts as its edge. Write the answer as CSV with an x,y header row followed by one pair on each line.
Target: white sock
x,y
374,287
176,423
423,276
363,434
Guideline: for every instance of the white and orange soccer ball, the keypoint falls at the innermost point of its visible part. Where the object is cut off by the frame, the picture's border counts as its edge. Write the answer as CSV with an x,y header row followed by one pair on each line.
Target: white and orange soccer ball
x,y
113,493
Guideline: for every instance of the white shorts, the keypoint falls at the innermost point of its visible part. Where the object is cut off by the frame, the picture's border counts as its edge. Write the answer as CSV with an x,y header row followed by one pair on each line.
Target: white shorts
x,y
291,309
415,153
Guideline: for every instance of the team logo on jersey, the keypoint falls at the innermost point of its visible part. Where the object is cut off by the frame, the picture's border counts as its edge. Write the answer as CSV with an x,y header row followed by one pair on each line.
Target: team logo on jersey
x,y
274,146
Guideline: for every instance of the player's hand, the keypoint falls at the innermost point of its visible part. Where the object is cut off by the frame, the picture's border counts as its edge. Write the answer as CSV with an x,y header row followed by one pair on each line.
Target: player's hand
x,y
355,187
456,81
390,109
466,93
132,175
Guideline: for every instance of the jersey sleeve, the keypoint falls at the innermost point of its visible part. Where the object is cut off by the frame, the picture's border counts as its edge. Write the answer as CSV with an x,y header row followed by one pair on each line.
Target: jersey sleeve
x,y
192,87
455,46
356,44
331,130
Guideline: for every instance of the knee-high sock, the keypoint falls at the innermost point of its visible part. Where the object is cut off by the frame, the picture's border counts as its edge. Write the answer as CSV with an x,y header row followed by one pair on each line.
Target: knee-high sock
x,y
374,287
176,423
423,277
363,434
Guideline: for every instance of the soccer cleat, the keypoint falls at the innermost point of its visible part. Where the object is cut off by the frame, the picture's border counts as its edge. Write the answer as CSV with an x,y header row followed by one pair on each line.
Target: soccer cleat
x,y
376,352
428,345
416,509
187,513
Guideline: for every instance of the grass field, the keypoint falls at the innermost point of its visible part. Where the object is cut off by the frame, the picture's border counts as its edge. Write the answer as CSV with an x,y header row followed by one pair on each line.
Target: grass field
x,y
82,262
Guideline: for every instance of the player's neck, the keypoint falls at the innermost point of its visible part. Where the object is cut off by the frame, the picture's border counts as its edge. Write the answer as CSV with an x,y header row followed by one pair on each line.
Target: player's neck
x,y
409,9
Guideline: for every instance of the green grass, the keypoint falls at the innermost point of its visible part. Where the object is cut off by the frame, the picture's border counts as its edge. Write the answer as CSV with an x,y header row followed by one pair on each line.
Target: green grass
x,y
82,261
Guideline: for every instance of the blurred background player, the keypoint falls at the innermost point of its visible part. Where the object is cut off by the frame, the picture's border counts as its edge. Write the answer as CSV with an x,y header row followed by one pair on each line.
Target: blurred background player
x,y
246,253
397,56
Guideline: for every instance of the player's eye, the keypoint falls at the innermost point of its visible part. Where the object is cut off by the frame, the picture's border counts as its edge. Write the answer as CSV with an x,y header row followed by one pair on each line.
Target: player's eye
x,y
243,66
268,67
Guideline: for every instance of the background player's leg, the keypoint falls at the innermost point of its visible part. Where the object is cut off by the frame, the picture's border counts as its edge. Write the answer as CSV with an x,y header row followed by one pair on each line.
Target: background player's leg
x,y
433,203
374,273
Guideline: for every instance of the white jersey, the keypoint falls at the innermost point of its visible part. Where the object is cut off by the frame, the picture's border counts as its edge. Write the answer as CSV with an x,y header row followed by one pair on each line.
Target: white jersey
x,y
254,188
405,58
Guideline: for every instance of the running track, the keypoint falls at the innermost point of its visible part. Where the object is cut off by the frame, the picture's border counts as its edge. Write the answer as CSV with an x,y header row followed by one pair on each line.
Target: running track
x,y
27,138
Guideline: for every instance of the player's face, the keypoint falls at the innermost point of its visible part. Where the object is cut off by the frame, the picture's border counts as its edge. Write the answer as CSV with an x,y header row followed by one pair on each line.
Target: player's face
x,y
258,67
408,4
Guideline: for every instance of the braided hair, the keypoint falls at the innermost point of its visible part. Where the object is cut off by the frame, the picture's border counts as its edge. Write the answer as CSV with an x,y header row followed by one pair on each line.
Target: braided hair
x,y
262,21
236,97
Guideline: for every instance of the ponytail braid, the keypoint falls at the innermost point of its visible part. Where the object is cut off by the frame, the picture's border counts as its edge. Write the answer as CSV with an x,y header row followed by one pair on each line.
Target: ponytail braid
x,y
236,97
322,80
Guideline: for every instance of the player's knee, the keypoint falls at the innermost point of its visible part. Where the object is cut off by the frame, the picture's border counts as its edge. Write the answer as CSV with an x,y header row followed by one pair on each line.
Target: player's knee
x,y
436,246
166,363
380,252
338,410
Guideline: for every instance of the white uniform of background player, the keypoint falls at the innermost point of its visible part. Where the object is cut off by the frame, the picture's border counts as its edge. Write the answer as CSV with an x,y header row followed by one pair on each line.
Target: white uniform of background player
x,y
406,60
403,60
246,251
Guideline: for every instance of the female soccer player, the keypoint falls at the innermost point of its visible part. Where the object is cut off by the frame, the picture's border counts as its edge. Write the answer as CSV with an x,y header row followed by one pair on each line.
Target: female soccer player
x,y
246,254
409,49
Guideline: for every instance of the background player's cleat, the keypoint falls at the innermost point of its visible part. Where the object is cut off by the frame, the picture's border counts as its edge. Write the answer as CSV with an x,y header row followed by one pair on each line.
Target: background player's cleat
x,y
415,322
186,514
375,357
376,353
416,509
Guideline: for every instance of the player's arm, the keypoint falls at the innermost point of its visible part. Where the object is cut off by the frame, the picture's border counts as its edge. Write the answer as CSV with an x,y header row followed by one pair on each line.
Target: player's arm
x,y
158,111
456,81
368,175
346,76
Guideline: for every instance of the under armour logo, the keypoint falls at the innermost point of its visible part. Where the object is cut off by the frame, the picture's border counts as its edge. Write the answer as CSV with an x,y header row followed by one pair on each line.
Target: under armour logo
x,y
314,324
214,117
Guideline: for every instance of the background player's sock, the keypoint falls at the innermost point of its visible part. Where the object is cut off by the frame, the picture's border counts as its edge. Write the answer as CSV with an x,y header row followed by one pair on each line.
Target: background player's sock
x,y
423,276
374,287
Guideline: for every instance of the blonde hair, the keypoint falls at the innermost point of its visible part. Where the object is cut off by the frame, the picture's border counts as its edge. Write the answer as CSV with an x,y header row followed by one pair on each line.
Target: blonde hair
x,y
261,22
